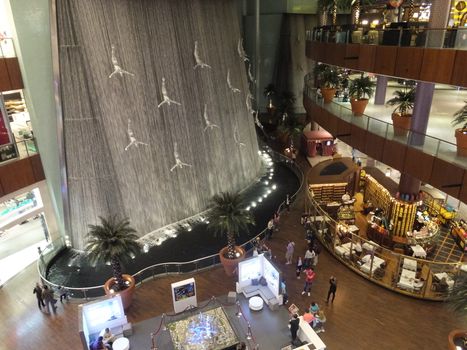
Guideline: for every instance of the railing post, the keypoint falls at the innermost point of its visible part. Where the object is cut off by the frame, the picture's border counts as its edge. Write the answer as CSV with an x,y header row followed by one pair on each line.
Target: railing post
x,y
85,294
437,148
400,37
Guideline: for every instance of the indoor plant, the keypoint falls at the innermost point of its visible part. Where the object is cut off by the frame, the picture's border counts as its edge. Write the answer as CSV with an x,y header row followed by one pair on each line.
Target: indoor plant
x,y
404,101
227,217
460,118
329,80
290,128
113,241
269,92
360,90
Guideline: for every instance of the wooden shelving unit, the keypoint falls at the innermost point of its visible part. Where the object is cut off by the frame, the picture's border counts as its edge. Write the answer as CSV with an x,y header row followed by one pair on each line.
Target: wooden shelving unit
x,y
328,192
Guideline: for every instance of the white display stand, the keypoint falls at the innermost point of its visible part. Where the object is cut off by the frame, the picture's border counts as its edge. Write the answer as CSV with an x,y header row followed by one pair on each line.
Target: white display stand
x,y
184,295
307,334
98,315
250,272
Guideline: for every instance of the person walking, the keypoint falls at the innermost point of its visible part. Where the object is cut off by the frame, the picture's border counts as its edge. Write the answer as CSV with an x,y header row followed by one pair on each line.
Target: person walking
x,y
289,252
309,256
276,219
38,291
48,296
294,325
270,229
287,202
309,278
332,288
299,267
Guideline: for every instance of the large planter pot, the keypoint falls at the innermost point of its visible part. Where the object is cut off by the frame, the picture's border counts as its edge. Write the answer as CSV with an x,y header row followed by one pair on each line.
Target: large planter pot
x,y
401,123
230,265
127,294
328,94
358,106
461,138
455,335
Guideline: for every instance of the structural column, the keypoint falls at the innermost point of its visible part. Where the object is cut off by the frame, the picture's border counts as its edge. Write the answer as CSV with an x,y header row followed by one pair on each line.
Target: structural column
x,y
380,93
421,112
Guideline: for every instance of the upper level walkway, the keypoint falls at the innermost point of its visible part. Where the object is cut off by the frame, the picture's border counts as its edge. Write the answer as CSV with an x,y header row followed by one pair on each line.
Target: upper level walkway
x,y
414,53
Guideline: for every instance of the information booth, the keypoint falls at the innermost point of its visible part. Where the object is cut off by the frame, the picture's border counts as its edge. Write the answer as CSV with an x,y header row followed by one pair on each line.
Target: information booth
x,y
257,276
318,142
96,316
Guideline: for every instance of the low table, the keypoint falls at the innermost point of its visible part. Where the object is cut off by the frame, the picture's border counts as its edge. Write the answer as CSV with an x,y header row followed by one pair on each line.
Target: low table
x,y
255,303
121,344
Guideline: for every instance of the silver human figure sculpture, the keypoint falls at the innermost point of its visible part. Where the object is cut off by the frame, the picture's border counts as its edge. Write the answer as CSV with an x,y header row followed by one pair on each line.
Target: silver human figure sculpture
x,y
248,100
178,162
166,98
234,89
241,51
117,69
250,75
199,62
237,139
209,125
257,122
133,140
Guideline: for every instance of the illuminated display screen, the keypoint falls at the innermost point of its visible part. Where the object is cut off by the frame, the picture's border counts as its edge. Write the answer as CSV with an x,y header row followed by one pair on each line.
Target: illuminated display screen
x,y
185,291
100,313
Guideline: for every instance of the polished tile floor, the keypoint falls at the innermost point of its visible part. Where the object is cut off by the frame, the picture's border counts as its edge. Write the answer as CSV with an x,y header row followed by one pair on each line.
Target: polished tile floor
x,y
363,316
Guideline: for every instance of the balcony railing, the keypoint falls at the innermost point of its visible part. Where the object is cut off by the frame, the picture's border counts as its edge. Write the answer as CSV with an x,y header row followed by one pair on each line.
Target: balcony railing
x,y
161,269
428,144
451,38
18,150
7,48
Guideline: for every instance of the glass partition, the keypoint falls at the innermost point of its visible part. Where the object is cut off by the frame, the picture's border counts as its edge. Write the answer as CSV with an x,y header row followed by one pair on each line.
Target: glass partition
x,y
448,38
428,144
398,272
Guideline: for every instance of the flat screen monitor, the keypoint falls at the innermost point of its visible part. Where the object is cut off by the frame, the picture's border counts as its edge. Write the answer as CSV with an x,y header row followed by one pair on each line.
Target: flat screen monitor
x,y
185,291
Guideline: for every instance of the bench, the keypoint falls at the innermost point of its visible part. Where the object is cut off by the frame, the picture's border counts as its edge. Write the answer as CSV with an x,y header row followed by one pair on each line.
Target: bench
x,y
263,291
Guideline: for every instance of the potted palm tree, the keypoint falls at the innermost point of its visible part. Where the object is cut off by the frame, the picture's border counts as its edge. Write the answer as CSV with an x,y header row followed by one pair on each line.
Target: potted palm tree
x,y
404,101
360,91
290,128
460,118
318,70
113,241
269,92
329,81
228,217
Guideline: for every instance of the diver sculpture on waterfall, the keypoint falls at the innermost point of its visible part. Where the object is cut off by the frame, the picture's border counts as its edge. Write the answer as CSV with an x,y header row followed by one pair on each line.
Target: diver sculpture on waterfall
x,y
178,162
133,140
237,139
199,62
234,89
166,98
209,125
117,69
241,50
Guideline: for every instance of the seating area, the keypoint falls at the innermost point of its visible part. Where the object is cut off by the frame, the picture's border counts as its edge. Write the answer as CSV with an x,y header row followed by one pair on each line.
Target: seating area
x,y
370,264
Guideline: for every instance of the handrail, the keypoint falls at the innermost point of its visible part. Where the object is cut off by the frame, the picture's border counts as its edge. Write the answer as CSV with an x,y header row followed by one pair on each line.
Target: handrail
x,y
328,239
18,150
52,250
428,144
402,37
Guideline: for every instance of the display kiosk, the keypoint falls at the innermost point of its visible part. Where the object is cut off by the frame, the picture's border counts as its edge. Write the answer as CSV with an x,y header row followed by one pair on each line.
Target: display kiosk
x,y
98,315
258,276
184,295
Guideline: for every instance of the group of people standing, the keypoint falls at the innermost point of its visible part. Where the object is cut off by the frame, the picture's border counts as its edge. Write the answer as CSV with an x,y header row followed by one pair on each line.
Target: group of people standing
x,y
312,314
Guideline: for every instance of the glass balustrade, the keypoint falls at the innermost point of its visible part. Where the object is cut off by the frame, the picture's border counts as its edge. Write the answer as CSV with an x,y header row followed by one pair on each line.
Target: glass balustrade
x,y
448,38
428,144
